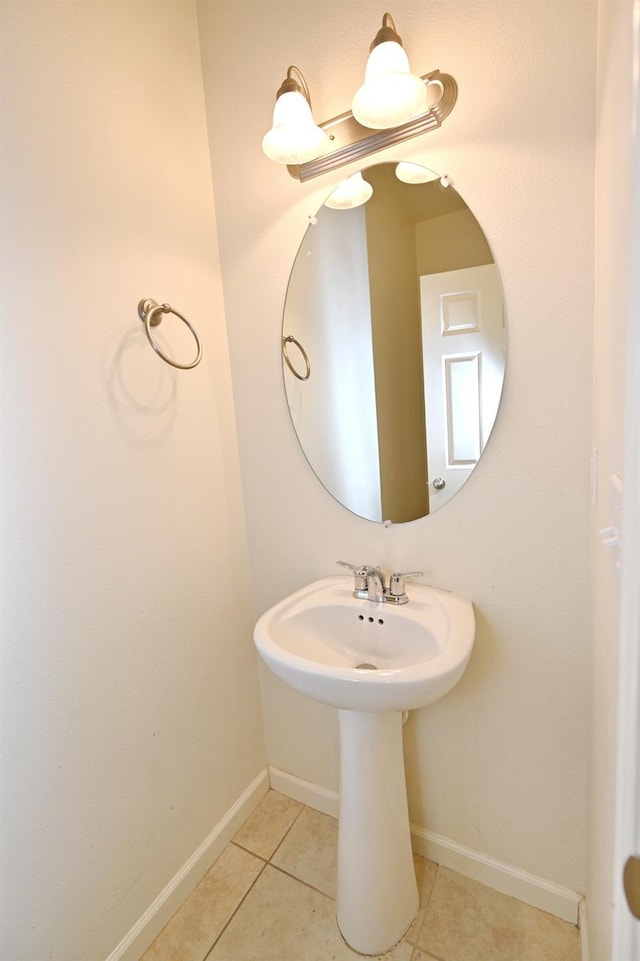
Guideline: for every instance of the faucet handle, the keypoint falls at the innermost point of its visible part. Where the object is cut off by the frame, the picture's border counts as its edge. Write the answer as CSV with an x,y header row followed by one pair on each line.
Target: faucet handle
x,y
396,592
359,575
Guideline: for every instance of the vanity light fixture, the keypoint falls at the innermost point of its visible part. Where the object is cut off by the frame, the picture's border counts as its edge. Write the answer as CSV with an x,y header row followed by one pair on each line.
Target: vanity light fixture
x,y
310,150
391,94
352,192
294,137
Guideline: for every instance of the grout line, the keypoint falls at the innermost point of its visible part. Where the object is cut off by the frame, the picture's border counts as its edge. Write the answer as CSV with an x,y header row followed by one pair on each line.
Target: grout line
x,y
301,881
253,854
286,833
288,873
261,856
423,911
237,907
265,863
432,888
306,884
419,953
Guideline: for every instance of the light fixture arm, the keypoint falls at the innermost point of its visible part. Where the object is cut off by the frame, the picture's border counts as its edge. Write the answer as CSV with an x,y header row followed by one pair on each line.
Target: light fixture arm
x,y
351,141
296,84
386,33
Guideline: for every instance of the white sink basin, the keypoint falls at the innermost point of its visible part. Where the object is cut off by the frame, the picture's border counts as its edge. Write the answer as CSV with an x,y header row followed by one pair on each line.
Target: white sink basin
x,y
365,656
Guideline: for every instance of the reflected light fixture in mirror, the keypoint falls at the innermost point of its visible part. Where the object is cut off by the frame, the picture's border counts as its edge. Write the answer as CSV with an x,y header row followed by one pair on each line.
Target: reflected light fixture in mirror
x,y
294,137
391,106
410,173
351,192
391,94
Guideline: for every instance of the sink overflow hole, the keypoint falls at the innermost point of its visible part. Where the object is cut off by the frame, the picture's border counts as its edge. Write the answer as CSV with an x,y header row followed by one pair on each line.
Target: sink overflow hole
x,y
371,619
366,667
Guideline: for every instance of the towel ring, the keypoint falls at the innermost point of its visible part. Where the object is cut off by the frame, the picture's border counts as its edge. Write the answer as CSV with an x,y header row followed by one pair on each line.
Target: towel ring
x,y
147,311
291,340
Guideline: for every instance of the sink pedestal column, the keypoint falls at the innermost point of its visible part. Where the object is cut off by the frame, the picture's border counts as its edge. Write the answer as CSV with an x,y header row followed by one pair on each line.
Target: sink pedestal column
x,y
377,896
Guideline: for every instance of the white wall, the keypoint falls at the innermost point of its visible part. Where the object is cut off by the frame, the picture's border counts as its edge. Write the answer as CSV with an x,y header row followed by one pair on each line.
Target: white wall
x,y
613,267
130,710
500,764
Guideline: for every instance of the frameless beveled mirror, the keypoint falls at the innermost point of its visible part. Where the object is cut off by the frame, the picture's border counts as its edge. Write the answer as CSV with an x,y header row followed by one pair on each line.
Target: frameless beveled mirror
x,y
394,346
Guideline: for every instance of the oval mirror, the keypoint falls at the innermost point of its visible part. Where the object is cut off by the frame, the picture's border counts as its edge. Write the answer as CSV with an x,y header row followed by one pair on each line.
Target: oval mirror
x,y
393,344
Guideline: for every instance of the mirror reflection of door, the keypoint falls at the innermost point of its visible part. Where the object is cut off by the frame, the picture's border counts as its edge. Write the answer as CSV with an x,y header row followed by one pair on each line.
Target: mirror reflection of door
x,y
463,361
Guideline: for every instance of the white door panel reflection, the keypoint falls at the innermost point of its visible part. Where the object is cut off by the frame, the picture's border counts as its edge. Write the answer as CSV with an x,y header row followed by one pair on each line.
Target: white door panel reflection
x,y
463,360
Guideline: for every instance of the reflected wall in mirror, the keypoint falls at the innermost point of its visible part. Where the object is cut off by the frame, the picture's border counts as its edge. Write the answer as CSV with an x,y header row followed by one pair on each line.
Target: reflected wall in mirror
x,y
398,306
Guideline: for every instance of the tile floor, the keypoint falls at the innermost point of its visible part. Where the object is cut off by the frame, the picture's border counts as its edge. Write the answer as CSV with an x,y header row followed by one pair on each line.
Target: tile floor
x,y
270,897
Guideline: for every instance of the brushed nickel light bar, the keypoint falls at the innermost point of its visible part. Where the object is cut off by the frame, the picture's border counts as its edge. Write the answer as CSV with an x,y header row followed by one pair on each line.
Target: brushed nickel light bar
x,y
351,141
391,106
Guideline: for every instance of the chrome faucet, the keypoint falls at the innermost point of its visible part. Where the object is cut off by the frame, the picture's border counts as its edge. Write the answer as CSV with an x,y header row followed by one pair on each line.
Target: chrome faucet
x,y
375,584
369,584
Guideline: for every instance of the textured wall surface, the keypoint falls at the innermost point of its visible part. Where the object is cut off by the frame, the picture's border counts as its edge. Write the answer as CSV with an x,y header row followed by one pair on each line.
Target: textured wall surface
x,y
130,709
500,764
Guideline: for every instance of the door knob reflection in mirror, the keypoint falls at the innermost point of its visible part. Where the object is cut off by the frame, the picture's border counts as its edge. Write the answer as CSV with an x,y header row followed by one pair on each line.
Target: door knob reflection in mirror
x,y
632,884
439,483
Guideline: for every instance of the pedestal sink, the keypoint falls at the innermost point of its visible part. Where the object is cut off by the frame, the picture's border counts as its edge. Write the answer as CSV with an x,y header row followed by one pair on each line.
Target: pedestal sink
x,y
372,661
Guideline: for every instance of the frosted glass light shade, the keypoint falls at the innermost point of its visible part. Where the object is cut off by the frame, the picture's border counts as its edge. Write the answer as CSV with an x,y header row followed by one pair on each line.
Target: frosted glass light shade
x,y
411,173
351,192
294,137
391,95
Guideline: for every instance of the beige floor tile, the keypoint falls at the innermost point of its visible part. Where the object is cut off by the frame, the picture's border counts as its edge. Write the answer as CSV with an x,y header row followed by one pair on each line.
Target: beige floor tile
x,y
401,952
425,876
264,830
309,851
466,920
196,925
282,919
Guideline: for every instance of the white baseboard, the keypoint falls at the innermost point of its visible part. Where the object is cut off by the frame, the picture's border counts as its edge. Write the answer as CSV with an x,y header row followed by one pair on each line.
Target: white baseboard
x,y
314,796
533,890
147,928
584,934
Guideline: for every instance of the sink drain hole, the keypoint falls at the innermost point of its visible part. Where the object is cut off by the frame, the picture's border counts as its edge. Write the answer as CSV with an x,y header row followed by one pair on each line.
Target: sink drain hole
x,y
366,667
